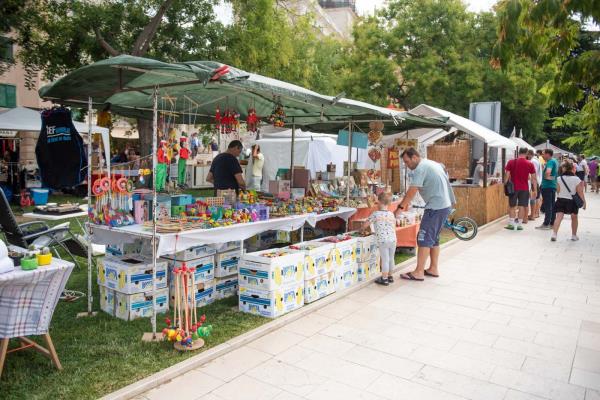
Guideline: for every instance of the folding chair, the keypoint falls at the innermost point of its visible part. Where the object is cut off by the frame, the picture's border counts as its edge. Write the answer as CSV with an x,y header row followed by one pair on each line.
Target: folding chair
x,y
37,233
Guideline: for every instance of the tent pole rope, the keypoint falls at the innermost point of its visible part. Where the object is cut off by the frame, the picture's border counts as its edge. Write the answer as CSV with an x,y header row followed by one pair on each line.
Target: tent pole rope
x,y
154,208
89,194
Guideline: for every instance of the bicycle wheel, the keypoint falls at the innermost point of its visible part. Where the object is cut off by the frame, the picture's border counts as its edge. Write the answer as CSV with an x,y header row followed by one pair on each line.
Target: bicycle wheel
x,y
464,228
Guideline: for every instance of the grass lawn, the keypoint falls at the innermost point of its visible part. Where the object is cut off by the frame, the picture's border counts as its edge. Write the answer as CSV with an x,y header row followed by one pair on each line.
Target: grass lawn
x,y
102,354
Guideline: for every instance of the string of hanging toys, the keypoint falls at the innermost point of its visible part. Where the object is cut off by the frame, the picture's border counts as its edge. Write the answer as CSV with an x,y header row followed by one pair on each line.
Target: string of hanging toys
x,y
186,330
113,202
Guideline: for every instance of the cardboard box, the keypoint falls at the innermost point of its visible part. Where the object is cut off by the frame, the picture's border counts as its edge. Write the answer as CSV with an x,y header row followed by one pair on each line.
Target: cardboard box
x,y
131,273
204,293
192,253
226,263
139,305
344,251
365,245
227,246
346,277
122,249
319,286
181,199
226,287
301,178
271,304
205,268
369,269
269,273
276,187
107,300
318,257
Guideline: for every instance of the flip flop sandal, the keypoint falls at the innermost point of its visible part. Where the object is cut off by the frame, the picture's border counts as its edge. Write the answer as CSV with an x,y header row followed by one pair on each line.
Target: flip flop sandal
x,y
410,277
431,275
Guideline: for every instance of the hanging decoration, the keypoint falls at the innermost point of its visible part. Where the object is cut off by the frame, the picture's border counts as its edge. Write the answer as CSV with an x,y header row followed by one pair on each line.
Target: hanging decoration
x,y
186,330
374,154
277,117
218,119
113,202
252,121
375,133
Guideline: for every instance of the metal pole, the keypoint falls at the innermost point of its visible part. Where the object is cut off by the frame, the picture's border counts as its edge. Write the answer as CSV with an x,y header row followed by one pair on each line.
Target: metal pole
x,y
349,164
89,194
485,164
154,208
292,154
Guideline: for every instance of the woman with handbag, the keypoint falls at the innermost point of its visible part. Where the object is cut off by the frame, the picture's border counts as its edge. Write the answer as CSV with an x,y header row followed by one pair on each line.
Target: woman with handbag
x,y
570,198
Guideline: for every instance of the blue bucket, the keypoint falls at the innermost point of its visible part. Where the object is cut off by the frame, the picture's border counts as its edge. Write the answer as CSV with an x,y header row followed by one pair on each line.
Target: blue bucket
x,y
39,196
7,192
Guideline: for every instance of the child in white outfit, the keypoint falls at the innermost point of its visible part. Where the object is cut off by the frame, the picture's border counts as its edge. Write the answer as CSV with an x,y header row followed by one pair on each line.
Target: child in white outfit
x,y
384,223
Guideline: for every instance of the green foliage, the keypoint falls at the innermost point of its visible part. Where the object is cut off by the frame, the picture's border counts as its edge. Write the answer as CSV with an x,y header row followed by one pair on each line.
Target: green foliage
x,y
552,32
436,52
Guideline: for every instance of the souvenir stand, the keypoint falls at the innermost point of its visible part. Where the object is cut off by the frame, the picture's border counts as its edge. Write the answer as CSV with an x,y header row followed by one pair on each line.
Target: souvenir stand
x,y
486,202
198,88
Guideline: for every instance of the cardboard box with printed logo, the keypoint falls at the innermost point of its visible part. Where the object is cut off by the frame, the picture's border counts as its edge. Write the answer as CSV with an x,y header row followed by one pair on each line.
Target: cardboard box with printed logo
x,y
226,287
346,276
226,263
107,300
139,305
271,269
318,258
192,253
273,303
131,274
204,268
203,292
344,250
319,286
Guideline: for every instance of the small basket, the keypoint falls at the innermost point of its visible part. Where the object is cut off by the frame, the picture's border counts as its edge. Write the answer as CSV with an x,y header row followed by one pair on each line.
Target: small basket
x,y
29,264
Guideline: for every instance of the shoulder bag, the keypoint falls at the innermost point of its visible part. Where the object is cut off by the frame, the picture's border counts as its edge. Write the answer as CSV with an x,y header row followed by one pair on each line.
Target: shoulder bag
x,y
575,196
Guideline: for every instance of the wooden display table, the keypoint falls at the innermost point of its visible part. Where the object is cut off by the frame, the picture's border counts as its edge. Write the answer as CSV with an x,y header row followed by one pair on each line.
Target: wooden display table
x,y
364,212
482,204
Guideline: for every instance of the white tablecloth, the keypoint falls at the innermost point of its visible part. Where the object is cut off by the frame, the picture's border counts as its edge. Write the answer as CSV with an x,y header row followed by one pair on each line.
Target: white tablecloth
x,y
28,298
343,213
167,242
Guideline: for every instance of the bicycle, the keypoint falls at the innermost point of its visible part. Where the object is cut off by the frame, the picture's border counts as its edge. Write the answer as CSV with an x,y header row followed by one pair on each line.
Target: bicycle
x,y
464,228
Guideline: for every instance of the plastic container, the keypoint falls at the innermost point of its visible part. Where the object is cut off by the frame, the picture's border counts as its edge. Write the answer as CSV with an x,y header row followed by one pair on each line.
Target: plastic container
x,y
39,196
29,264
44,259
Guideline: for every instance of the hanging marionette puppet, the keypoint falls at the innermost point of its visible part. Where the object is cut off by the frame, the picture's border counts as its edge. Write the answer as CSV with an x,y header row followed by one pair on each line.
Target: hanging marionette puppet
x,y
162,157
184,155
252,120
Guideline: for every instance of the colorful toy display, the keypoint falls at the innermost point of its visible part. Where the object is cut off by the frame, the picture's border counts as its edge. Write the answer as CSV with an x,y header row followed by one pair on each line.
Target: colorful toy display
x,y
184,155
186,330
163,159
113,204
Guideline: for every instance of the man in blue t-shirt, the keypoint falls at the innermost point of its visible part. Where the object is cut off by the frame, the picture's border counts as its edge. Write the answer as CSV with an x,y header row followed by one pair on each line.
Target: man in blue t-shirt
x,y
430,180
548,189
225,170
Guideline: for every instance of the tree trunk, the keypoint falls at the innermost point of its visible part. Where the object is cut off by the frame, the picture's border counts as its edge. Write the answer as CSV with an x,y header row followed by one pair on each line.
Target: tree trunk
x,y
145,131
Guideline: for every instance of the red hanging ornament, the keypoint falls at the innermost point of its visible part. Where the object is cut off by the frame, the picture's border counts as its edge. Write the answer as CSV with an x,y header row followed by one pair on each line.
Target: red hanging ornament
x,y
252,120
218,119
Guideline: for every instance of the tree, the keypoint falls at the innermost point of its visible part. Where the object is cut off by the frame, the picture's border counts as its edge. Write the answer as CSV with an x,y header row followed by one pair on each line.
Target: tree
x,y
552,31
57,37
436,52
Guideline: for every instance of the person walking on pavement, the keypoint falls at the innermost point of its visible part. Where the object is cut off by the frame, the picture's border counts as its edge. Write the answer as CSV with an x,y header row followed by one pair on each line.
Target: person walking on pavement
x,y
548,187
521,173
534,202
430,180
568,184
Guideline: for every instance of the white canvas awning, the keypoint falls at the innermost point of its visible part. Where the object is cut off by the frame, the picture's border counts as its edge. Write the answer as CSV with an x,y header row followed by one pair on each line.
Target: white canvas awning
x,y
557,150
518,140
467,126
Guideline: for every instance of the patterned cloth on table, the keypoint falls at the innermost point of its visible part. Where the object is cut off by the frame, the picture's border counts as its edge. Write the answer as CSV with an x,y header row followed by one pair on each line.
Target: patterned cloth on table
x,y
28,298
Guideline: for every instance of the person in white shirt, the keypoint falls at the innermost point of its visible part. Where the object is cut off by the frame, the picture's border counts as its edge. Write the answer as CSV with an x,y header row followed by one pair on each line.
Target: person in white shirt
x,y
568,184
585,171
478,173
535,202
258,161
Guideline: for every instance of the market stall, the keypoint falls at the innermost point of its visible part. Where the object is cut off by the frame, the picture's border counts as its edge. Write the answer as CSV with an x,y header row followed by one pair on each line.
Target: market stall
x,y
484,202
180,227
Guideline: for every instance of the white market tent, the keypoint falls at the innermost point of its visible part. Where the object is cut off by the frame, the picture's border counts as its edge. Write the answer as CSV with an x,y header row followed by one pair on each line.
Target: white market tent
x,y
557,150
472,128
313,150
21,119
519,140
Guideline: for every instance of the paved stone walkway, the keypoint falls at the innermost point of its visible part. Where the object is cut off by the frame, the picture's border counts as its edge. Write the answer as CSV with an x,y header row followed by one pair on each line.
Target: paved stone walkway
x,y
514,317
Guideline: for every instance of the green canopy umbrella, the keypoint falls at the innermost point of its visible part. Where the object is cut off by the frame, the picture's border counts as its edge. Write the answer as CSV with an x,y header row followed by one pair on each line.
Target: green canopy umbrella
x,y
195,89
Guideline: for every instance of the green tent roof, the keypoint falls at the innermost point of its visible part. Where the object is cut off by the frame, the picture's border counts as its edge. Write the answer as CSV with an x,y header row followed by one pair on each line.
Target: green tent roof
x,y
187,92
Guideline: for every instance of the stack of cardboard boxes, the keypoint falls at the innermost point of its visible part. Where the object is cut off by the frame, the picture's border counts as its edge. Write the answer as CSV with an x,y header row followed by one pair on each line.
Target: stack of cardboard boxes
x,y
271,282
319,272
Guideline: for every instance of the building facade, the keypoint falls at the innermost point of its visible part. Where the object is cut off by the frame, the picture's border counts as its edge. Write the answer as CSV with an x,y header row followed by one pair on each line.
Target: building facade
x,y
332,17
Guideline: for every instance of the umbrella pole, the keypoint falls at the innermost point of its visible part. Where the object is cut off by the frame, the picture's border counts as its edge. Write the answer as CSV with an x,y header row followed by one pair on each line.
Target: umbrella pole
x,y
151,336
349,165
89,194
292,153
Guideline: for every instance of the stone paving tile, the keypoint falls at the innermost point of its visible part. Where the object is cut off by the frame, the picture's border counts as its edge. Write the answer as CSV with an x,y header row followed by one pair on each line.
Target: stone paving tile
x,y
513,317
